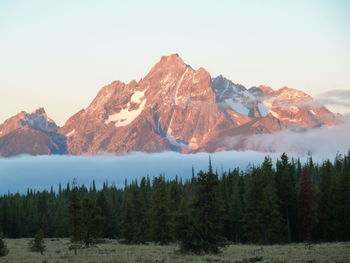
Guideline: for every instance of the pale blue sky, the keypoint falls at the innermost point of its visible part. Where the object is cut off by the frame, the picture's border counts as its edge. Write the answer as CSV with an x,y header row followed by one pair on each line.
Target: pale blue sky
x,y
58,54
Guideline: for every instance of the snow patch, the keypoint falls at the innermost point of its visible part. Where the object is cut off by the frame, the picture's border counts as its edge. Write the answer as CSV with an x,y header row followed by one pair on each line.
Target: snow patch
x,y
274,114
175,142
263,109
237,107
137,96
70,133
268,103
125,117
193,143
178,85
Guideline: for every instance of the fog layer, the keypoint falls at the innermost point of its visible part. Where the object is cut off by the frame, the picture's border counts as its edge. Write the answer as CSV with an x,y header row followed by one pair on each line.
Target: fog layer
x,y
42,172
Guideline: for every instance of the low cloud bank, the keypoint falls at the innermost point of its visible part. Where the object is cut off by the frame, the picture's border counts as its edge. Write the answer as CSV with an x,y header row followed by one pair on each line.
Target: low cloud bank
x,y
42,172
335,97
323,142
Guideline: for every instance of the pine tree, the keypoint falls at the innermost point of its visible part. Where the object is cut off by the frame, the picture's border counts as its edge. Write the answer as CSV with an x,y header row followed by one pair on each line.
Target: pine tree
x,y
342,200
325,203
106,214
273,230
160,213
38,243
75,219
90,222
3,248
285,184
142,232
237,212
305,203
185,230
206,212
127,221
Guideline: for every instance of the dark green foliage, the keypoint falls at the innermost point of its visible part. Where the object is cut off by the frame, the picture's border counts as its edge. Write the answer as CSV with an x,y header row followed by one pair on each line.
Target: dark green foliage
x,y
200,223
264,204
263,220
305,205
286,192
75,218
38,244
160,213
91,222
3,248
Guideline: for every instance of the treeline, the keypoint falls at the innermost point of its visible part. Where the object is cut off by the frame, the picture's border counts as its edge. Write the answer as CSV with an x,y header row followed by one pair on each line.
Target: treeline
x,y
266,204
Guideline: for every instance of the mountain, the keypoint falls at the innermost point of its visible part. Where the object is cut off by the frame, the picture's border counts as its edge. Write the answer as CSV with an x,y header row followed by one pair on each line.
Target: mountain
x,y
31,133
173,108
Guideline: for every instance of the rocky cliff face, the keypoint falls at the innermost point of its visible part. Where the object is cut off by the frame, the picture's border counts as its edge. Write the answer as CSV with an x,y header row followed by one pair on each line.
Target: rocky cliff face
x,y
175,107
31,133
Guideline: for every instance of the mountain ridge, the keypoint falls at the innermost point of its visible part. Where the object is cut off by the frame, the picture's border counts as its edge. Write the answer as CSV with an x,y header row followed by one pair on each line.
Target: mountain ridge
x,y
173,108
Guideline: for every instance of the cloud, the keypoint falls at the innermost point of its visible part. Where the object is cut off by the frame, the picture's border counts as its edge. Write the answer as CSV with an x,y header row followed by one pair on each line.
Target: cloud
x,y
323,142
339,97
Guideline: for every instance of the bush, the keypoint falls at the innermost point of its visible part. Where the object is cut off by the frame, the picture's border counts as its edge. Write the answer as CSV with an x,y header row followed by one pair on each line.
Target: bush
x,y
3,248
37,244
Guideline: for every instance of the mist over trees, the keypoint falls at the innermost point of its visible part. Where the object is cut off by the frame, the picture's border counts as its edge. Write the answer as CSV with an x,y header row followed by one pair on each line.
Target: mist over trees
x,y
266,204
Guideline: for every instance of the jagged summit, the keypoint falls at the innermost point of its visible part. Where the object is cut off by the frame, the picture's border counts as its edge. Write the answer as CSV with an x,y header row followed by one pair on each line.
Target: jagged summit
x,y
174,107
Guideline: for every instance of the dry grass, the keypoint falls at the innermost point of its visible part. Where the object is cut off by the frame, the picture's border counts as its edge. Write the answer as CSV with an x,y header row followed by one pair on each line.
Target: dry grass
x,y
112,252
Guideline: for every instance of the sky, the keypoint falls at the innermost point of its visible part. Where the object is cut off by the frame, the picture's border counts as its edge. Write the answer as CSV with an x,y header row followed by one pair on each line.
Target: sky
x,y
58,54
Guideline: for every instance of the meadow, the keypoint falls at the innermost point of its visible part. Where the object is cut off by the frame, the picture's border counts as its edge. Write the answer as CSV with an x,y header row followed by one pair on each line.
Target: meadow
x,y
57,251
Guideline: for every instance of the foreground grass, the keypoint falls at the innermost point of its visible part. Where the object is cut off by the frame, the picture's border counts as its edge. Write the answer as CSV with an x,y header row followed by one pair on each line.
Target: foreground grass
x,y
112,252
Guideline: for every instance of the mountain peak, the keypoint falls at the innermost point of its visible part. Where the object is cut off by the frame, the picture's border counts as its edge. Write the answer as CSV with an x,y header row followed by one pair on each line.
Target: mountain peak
x,y
266,90
172,59
39,111
289,93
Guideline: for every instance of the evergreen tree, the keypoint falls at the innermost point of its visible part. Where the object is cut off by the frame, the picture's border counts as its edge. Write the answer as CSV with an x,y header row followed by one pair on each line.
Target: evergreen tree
x,y
173,211
90,222
325,199
204,224
272,228
236,214
286,191
185,230
160,213
106,218
127,221
75,219
305,200
263,220
38,243
142,233
342,200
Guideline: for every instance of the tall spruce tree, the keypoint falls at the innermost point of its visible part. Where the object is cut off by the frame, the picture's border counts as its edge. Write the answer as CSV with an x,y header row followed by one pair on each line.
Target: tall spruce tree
x,y
325,203
305,204
75,222
236,215
205,221
342,200
286,192
127,220
142,232
91,223
160,213
106,218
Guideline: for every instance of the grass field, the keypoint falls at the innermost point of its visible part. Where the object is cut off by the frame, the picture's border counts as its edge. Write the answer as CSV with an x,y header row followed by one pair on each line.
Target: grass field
x,y
112,252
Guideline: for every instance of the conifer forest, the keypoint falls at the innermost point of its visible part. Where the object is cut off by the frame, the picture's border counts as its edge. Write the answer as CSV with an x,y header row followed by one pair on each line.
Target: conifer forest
x,y
273,203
